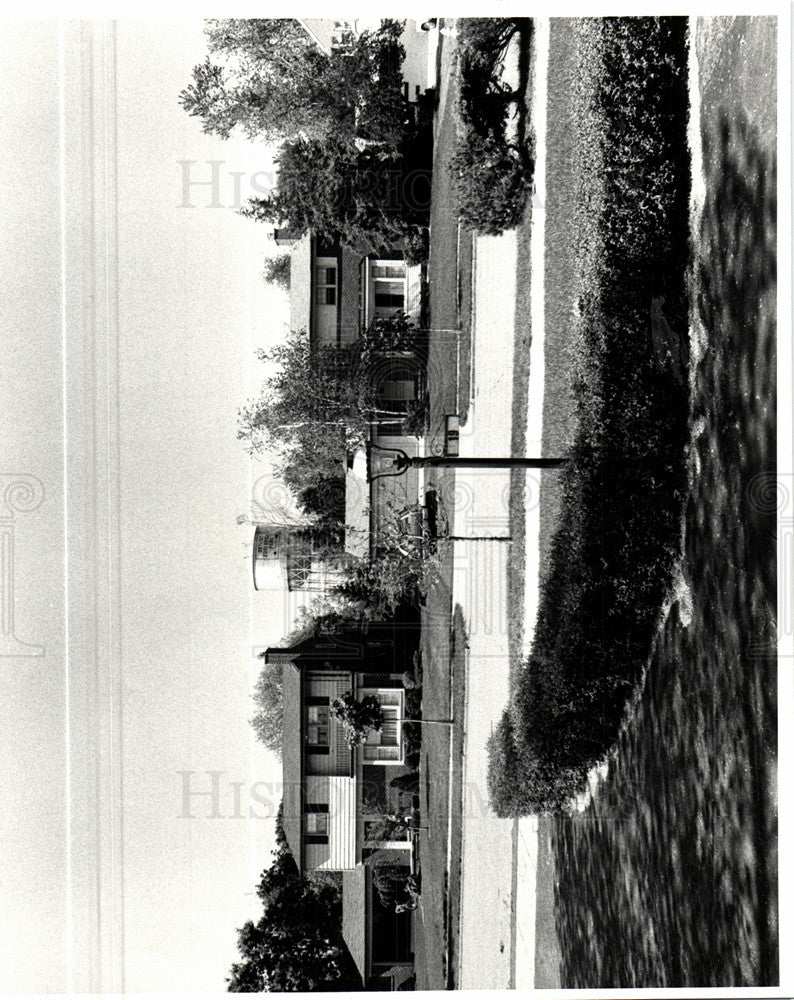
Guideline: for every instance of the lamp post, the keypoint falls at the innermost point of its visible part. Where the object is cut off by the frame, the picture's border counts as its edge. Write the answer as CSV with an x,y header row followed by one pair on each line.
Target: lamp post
x,y
385,462
391,462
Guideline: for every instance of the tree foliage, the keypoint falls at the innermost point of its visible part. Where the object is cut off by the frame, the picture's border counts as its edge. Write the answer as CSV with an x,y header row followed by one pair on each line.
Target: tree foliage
x,y
359,717
402,566
355,160
277,270
275,83
297,943
323,499
309,408
267,719
369,198
316,407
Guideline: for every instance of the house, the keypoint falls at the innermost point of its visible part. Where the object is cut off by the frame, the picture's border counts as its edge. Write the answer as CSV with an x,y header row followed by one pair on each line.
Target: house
x,y
337,799
419,65
335,294
335,795
379,940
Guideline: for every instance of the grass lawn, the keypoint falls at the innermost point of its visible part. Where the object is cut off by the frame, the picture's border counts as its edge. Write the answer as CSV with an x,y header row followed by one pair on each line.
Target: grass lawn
x,y
568,187
440,789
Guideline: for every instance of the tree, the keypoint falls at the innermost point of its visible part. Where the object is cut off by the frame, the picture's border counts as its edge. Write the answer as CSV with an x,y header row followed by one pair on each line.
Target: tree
x,y
277,270
402,566
267,720
269,83
366,198
315,410
297,943
310,405
276,83
279,43
359,718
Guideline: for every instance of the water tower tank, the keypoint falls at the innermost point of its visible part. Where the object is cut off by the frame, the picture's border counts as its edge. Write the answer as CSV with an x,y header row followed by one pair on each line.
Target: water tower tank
x,y
269,555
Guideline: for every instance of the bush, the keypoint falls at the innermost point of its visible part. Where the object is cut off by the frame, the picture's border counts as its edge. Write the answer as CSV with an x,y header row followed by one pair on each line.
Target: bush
x,y
481,45
399,571
408,782
397,889
517,776
358,718
613,553
324,498
492,172
492,183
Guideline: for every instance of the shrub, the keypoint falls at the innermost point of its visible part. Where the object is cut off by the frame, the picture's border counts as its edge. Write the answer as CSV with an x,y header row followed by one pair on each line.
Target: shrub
x,y
412,734
400,570
519,781
503,773
492,183
324,498
481,46
358,718
397,889
492,172
408,782
613,553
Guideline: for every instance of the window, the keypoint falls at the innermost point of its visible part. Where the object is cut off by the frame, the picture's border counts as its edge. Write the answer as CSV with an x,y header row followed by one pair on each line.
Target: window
x,y
385,745
343,36
325,286
388,286
266,545
389,294
388,271
315,823
317,725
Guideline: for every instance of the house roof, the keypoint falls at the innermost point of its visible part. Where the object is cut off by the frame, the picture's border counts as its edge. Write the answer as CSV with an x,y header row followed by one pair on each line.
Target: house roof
x,y
300,285
354,916
292,764
320,30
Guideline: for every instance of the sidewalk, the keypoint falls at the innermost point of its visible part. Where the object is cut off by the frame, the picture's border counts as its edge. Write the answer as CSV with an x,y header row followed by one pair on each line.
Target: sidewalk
x,y
497,940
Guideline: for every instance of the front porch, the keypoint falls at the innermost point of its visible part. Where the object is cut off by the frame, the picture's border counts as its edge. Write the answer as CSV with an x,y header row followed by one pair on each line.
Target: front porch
x,y
379,938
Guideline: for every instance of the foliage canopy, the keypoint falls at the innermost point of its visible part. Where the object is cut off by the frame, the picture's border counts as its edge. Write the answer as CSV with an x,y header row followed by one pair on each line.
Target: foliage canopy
x,y
297,942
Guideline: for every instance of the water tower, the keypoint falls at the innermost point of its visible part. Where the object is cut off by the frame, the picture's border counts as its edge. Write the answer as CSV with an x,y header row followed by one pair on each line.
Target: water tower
x,y
294,553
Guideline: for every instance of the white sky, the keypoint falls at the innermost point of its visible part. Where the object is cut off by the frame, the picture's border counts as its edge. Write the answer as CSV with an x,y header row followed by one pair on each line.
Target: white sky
x,y
192,309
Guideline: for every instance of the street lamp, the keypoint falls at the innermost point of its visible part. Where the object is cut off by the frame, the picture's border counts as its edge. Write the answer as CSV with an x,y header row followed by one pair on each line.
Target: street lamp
x,y
391,462
383,462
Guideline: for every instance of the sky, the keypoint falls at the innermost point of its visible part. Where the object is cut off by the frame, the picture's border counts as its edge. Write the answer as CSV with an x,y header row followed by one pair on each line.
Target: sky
x,y
124,363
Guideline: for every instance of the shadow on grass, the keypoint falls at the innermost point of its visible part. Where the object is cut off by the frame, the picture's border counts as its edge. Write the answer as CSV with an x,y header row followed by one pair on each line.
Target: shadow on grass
x,y
668,878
